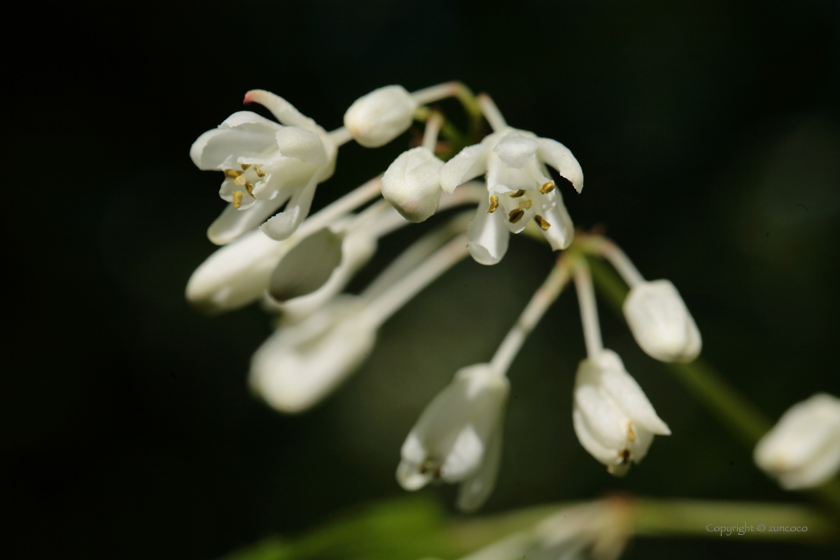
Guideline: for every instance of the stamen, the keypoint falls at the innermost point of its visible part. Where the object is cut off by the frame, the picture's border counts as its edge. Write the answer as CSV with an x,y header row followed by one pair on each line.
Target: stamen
x,y
518,193
231,174
625,456
258,169
547,187
515,215
542,222
237,199
494,203
525,205
631,435
240,180
250,188
245,166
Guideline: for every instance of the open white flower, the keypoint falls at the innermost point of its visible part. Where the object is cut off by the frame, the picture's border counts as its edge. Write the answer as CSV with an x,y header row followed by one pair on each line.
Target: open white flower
x,y
266,165
519,189
303,362
412,184
661,323
613,418
375,119
803,448
458,437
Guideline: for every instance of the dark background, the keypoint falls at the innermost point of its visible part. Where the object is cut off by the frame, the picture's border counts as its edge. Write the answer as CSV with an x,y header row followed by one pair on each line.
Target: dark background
x,y
709,133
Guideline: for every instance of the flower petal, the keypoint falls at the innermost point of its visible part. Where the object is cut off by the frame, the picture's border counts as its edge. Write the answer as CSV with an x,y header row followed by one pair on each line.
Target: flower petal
x,y
516,150
285,223
282,110
560,158
561,230
468,164
474,491
242,134
234,222
301,144
488,235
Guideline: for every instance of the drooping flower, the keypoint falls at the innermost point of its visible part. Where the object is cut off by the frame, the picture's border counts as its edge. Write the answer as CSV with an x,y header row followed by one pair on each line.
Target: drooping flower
x,y
375,119
519,189
661,323
303,362
803,448
266,165
457,438
613,419
412,184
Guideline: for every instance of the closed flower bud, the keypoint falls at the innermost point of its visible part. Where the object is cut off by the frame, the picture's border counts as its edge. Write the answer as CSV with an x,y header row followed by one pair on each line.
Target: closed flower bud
x,y
613,418
803,448
457,439
302,363
661,323
412,184
380,116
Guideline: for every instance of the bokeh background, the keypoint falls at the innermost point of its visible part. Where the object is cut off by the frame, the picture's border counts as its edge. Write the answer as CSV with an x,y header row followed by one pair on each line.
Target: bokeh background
x,y
709,132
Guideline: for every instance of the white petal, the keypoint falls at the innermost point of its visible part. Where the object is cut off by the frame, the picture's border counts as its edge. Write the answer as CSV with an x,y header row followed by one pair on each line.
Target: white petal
x,y
628,394
560,158
475,490
301,144
412,184
639,448
468,164
516,150
234,222
242,134
237,274
561,230
464,457
606,422
380,116
488,234
285,223
605,455
282,110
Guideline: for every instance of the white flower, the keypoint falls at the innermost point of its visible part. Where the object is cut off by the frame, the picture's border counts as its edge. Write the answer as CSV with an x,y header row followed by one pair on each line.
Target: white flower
x,y
302,363
458,437
803,448
661,323
613,418
412,184
380,116
519,189
266,165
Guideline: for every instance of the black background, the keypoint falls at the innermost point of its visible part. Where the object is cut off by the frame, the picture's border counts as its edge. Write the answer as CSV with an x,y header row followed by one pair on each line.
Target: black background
x,y
708,133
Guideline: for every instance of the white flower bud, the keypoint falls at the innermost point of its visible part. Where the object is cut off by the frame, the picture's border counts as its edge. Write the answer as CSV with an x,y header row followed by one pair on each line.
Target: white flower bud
x,y
803,448
661,323
380,116
302,363
236,274
412,184
458,437
613,418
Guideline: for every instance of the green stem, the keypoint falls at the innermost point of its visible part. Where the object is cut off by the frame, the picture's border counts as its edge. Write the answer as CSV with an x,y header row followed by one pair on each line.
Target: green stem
x,y
680,517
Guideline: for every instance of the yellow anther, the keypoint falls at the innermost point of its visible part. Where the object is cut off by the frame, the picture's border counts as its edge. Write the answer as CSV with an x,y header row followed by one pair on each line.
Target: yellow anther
x,y
518,193
542,222
240,180
515,215
258,169
231,174
237,199
250,188
631,435
245,166
494,203
547,187
524,204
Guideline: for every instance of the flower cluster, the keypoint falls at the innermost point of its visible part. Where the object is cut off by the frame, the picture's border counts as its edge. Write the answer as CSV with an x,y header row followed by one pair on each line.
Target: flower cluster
x,y
299,266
